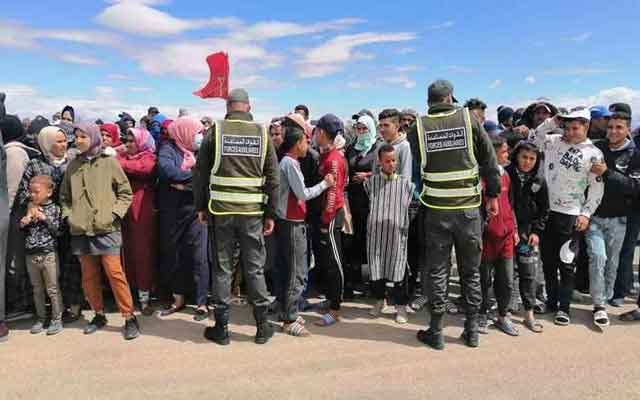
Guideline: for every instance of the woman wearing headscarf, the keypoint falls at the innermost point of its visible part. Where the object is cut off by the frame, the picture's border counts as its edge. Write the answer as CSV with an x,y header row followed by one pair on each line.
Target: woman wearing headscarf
x,y
95,196
361,156
53,162
183,254
139,225
111,142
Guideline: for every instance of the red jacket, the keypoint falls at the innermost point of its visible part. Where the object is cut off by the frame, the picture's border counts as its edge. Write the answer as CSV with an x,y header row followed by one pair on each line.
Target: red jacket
x,y
332,162
498,240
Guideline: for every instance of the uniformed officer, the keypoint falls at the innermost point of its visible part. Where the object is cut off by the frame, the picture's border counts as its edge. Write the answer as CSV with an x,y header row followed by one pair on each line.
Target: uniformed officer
x,y
236,182
454,152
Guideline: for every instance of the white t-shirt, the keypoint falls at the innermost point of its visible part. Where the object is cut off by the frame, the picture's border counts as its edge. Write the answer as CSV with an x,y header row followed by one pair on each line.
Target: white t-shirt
x,y
573,189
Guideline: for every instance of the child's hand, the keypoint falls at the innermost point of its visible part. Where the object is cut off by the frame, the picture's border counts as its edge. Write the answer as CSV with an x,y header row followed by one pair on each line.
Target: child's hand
x,y
26,220
516,238
330,180
39,215
534,240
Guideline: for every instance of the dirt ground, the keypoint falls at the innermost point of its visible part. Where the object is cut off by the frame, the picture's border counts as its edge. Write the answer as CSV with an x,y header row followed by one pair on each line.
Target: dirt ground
x,y
360,358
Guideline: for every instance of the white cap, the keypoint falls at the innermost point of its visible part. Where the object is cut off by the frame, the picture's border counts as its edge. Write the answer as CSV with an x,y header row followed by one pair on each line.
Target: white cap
x,y
567,253
582,113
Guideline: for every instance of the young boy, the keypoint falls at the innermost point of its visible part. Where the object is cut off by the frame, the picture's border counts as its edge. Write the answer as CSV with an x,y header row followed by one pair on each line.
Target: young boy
x,y
332,218
42,226
568,158
531,207
389,195
389,121
500,236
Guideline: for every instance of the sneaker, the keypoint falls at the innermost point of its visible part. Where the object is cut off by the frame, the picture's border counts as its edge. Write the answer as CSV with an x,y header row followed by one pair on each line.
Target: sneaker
x,y
4,332
433,340
401,315
377,308
68,316
483,324
562,318
37,327
98,322
131,329
470,338
419,303
55,327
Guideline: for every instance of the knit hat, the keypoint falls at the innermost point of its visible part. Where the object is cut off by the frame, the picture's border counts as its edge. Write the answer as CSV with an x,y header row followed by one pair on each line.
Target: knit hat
x,y
12,129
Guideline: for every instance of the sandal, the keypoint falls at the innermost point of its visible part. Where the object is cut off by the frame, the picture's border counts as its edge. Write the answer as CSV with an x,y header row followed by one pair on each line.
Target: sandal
x,y
506,326
296,329
200,314
562,318
600,318
631,316
172,310
327,320
534,325
147,310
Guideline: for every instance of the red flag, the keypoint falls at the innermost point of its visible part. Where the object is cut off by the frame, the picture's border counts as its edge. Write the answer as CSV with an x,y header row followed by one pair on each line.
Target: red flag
x,y
218,85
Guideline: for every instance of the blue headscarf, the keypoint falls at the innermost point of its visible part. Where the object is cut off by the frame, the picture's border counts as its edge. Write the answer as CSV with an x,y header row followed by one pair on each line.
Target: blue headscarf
x,y
155,126
365,141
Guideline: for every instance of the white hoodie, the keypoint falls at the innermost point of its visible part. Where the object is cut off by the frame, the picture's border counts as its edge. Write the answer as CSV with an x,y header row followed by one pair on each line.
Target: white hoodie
x,y
567,171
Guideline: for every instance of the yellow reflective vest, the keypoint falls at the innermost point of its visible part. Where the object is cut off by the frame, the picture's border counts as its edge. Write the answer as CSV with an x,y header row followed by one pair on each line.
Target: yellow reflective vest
x,y
450,174
236,180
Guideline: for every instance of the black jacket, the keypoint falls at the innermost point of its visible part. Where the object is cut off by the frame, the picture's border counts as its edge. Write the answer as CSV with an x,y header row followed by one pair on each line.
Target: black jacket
x,y
530,201
621,181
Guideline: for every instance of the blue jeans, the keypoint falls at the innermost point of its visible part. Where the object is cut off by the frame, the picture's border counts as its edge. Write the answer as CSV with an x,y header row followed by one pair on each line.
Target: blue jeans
x,y
604,241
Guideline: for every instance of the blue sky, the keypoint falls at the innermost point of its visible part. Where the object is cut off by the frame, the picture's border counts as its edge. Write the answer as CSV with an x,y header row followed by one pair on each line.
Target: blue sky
x,y
108,56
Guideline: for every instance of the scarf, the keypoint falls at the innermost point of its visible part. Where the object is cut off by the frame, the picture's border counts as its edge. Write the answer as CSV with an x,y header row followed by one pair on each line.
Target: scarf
x,y
144,142
183,131
93,131
365,141
112,130
46,140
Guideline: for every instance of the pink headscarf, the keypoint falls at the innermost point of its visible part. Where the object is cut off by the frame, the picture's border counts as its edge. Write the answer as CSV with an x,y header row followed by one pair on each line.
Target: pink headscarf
x,y
144,141
182,131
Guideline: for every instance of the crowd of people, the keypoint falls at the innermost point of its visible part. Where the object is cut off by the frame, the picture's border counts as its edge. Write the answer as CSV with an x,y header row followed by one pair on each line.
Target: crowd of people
x,y
205,213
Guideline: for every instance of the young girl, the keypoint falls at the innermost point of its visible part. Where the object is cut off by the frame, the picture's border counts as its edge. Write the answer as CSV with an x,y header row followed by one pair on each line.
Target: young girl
x,y
290,230
139,227
389,195
42,226
95,196
499,238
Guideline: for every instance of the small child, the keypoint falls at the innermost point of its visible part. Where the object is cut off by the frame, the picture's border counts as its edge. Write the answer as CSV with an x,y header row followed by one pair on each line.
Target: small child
x,y
389,195
499,238
42,227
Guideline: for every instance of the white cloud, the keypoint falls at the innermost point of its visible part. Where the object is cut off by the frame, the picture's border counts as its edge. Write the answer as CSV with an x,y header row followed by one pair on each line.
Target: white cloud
x,y
530,80
444,25
277,29
406,68
118,77
331,56
405,50
459,69
79,59
579,37
403,81
139,89
25,37
138,17
29,101
578,71
495,84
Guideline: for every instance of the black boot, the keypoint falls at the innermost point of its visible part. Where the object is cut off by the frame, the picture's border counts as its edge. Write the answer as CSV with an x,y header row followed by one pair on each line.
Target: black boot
x,y
470,334
433,336
265,331
219,333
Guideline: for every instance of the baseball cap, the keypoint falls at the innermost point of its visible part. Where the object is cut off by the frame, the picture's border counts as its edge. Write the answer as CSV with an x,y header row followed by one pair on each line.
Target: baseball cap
x,y
542,105
491,127
238,96
600,111
409,111
331,124
620,108
440,88
362,112
579,113
153,110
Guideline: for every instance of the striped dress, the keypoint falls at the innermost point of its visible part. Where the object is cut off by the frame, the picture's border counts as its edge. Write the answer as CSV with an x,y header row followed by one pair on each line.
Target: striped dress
x,y
388,226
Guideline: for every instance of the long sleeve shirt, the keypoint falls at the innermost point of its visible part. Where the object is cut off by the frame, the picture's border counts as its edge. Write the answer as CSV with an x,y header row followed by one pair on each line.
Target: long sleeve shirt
x,y
42,236
573,188
292,192
332,162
